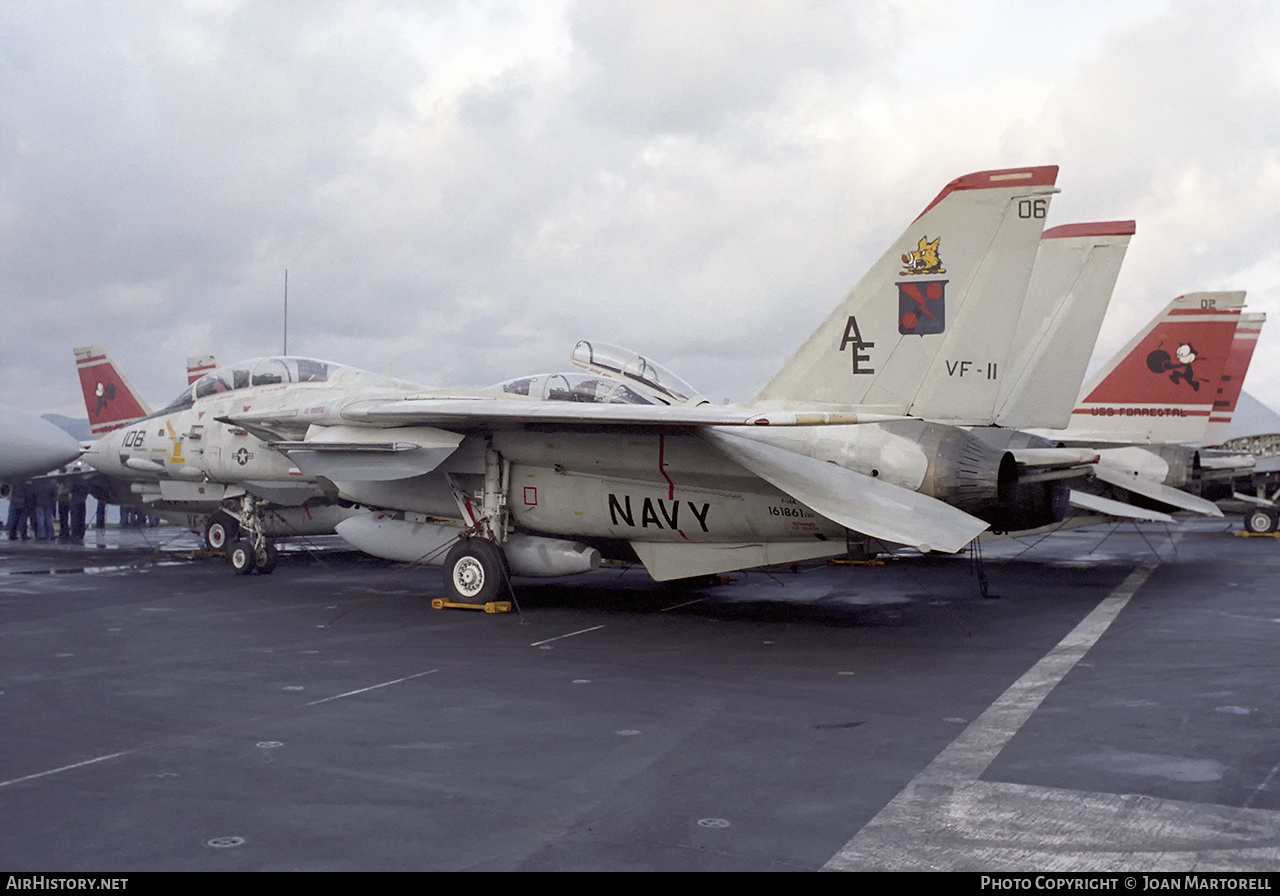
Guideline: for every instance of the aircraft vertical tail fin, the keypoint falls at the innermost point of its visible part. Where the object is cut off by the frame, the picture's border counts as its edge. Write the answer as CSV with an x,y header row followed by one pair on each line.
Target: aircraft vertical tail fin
x,y
1162,385
199,365
108,398
1232,383
1071,285
928,330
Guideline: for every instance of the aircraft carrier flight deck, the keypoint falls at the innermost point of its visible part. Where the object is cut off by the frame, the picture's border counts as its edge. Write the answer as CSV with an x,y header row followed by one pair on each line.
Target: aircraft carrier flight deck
x,y
1111,705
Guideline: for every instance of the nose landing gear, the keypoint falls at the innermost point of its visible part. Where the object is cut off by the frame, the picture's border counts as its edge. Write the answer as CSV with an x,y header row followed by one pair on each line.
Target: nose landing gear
x,y
248,548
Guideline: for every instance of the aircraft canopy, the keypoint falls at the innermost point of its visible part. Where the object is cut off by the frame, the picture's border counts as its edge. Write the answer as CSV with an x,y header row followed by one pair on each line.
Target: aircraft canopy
x,y
573,387
614,361
255,372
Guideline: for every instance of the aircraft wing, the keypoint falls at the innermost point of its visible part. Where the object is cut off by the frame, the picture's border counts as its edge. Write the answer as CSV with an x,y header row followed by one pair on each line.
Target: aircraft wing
x,y
870,506
470,413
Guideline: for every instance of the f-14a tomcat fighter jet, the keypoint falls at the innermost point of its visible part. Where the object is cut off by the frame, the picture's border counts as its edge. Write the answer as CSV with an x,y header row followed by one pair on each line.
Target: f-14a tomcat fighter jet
x,y
199,498
860,431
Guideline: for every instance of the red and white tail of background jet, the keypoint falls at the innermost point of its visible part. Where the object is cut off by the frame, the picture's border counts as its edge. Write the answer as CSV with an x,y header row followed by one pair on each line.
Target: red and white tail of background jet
x,y
1232,383
1161,387
199,366
108,398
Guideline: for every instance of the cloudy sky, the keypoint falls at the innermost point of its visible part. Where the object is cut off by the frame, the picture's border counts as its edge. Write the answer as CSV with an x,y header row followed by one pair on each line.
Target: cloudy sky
x,y
461,190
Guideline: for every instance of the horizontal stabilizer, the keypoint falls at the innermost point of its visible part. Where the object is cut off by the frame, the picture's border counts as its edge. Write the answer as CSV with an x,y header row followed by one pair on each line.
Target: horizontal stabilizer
x,y
1048,464
856,501
1054,457
1086,501
665,562
1156,491
1253,499
1237,462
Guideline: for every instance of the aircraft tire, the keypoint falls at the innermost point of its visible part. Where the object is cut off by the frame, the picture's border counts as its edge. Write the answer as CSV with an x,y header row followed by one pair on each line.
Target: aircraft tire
x,y
241,556
475,572
266,559
221,530
1260,521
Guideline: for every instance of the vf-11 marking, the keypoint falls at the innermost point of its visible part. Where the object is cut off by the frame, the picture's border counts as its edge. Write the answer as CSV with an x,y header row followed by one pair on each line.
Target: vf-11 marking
x,y
965,367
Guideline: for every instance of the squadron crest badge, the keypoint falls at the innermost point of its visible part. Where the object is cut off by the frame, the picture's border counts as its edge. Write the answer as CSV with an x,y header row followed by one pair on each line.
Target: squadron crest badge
x,y
922,307
922,304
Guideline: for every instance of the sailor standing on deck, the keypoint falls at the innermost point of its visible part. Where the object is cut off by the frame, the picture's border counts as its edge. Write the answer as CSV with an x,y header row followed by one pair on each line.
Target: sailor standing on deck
x,y
46,502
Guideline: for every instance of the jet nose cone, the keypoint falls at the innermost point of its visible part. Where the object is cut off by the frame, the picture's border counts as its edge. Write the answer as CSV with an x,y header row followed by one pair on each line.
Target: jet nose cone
x,y
104,455
30,446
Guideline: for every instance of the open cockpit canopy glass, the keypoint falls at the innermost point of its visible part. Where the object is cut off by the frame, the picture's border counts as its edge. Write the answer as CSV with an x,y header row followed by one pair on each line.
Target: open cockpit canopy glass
x,y
614,362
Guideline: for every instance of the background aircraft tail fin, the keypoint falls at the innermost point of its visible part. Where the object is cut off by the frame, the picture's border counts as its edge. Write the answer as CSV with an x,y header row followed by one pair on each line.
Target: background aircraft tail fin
x,y
1162,385
928,330
199,365
108,398
1232,383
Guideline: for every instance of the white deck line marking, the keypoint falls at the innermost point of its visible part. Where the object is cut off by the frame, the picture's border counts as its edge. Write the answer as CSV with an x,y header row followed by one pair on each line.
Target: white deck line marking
x,y
1265,785
964,760
372,687
75,765
947,819
570,635
67,768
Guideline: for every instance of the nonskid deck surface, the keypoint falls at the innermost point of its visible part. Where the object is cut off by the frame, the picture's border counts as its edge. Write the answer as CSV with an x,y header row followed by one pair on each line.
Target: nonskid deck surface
x,y
1112,706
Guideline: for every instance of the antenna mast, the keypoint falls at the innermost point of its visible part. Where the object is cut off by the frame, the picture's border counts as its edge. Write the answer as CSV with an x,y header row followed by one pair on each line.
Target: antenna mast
x,y
286,311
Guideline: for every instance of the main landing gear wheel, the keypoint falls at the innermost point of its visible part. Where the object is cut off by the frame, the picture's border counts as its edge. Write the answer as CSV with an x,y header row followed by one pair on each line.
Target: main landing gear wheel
x,y
221,528
241,555
1261,522
265,558
475,572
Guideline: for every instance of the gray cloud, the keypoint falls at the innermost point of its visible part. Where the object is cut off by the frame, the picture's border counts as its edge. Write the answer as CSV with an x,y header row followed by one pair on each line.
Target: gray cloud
x,y
460,191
